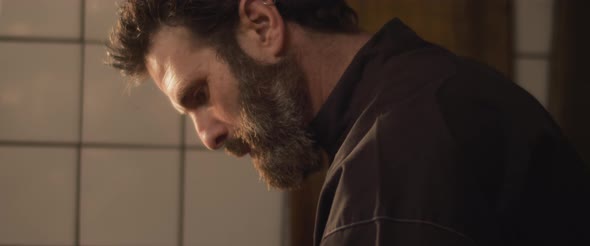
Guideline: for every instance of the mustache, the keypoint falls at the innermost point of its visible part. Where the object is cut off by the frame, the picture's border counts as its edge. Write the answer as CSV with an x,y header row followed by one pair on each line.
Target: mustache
x,y
236,146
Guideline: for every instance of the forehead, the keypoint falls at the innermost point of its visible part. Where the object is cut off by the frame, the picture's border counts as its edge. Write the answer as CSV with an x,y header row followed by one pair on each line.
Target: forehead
x,y
171,55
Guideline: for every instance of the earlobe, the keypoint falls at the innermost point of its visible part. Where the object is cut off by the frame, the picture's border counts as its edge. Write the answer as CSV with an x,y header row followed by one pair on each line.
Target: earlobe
x,y
263,28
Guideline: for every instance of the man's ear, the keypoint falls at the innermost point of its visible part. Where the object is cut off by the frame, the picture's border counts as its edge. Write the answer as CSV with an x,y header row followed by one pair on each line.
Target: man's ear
x,y
262,32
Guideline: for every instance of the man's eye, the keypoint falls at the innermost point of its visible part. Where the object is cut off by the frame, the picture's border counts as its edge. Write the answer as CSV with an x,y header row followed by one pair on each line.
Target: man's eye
x,y
197,97
201,95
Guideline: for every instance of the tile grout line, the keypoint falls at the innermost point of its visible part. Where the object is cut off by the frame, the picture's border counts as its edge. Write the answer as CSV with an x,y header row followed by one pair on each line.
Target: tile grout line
x,y
78,195
51,144
181,182
550,54
532,55
19,244
511,12
285,236
9,39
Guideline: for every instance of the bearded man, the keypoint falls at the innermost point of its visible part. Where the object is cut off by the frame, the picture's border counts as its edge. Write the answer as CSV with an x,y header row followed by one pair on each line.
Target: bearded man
x,y
424,147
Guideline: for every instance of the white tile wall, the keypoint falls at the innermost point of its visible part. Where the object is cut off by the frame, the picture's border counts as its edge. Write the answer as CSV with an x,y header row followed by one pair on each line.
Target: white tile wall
x,y
533,28
37,196
101,16
531,74
130,197
39,91
114,114
226,204
40,18
533,32
127,196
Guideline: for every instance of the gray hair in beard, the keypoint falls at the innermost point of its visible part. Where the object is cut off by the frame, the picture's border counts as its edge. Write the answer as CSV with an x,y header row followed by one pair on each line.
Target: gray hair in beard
x,y
274,103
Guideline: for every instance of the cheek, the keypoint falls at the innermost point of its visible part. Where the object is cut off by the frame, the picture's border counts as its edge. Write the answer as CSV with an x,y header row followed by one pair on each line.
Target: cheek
x,y
224,92
248,43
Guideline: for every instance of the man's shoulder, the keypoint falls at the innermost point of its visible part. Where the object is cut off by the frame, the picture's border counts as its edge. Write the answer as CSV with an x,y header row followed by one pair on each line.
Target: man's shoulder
x,y
381,171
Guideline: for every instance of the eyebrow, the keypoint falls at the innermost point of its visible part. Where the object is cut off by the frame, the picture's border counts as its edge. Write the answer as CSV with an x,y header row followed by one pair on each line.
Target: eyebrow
x,y
176,88
178,96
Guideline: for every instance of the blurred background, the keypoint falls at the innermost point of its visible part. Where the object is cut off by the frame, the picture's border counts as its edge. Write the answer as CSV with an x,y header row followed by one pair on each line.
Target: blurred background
x,y
83,161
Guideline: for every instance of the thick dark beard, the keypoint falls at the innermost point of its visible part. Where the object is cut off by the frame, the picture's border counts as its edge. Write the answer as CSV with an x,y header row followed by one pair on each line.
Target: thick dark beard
x,y
274,102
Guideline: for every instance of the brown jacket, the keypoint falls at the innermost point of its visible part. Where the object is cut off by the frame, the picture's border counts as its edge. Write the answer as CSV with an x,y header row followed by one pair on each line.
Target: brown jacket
x,y
428,148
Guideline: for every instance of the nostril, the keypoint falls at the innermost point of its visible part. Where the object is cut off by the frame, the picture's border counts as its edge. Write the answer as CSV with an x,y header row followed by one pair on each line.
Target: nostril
x,y
219,140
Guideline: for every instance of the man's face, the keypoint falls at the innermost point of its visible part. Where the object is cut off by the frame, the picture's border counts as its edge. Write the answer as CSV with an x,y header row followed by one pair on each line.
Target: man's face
x,y
238,103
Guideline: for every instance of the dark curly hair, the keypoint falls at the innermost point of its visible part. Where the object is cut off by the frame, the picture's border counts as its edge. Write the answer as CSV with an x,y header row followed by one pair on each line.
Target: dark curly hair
x,y
209,20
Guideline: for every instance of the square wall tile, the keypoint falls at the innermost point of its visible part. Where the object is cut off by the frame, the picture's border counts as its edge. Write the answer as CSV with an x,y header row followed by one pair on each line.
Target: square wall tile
x,y
37,196
226,204
40,18
39,91
533,28
114,113
129,197
532,75
101,16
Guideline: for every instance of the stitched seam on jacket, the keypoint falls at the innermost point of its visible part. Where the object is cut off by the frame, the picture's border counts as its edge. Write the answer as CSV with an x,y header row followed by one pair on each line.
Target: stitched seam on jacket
x,y
375,219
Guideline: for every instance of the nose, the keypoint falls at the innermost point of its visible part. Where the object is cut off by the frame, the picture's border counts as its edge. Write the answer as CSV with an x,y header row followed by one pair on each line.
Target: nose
x,y
211,131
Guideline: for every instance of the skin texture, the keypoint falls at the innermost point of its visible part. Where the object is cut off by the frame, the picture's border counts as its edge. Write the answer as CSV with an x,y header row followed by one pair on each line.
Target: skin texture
x,y
254,95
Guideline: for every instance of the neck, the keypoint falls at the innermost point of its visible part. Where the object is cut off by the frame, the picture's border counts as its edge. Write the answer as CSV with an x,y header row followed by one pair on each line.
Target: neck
x,y
324,58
